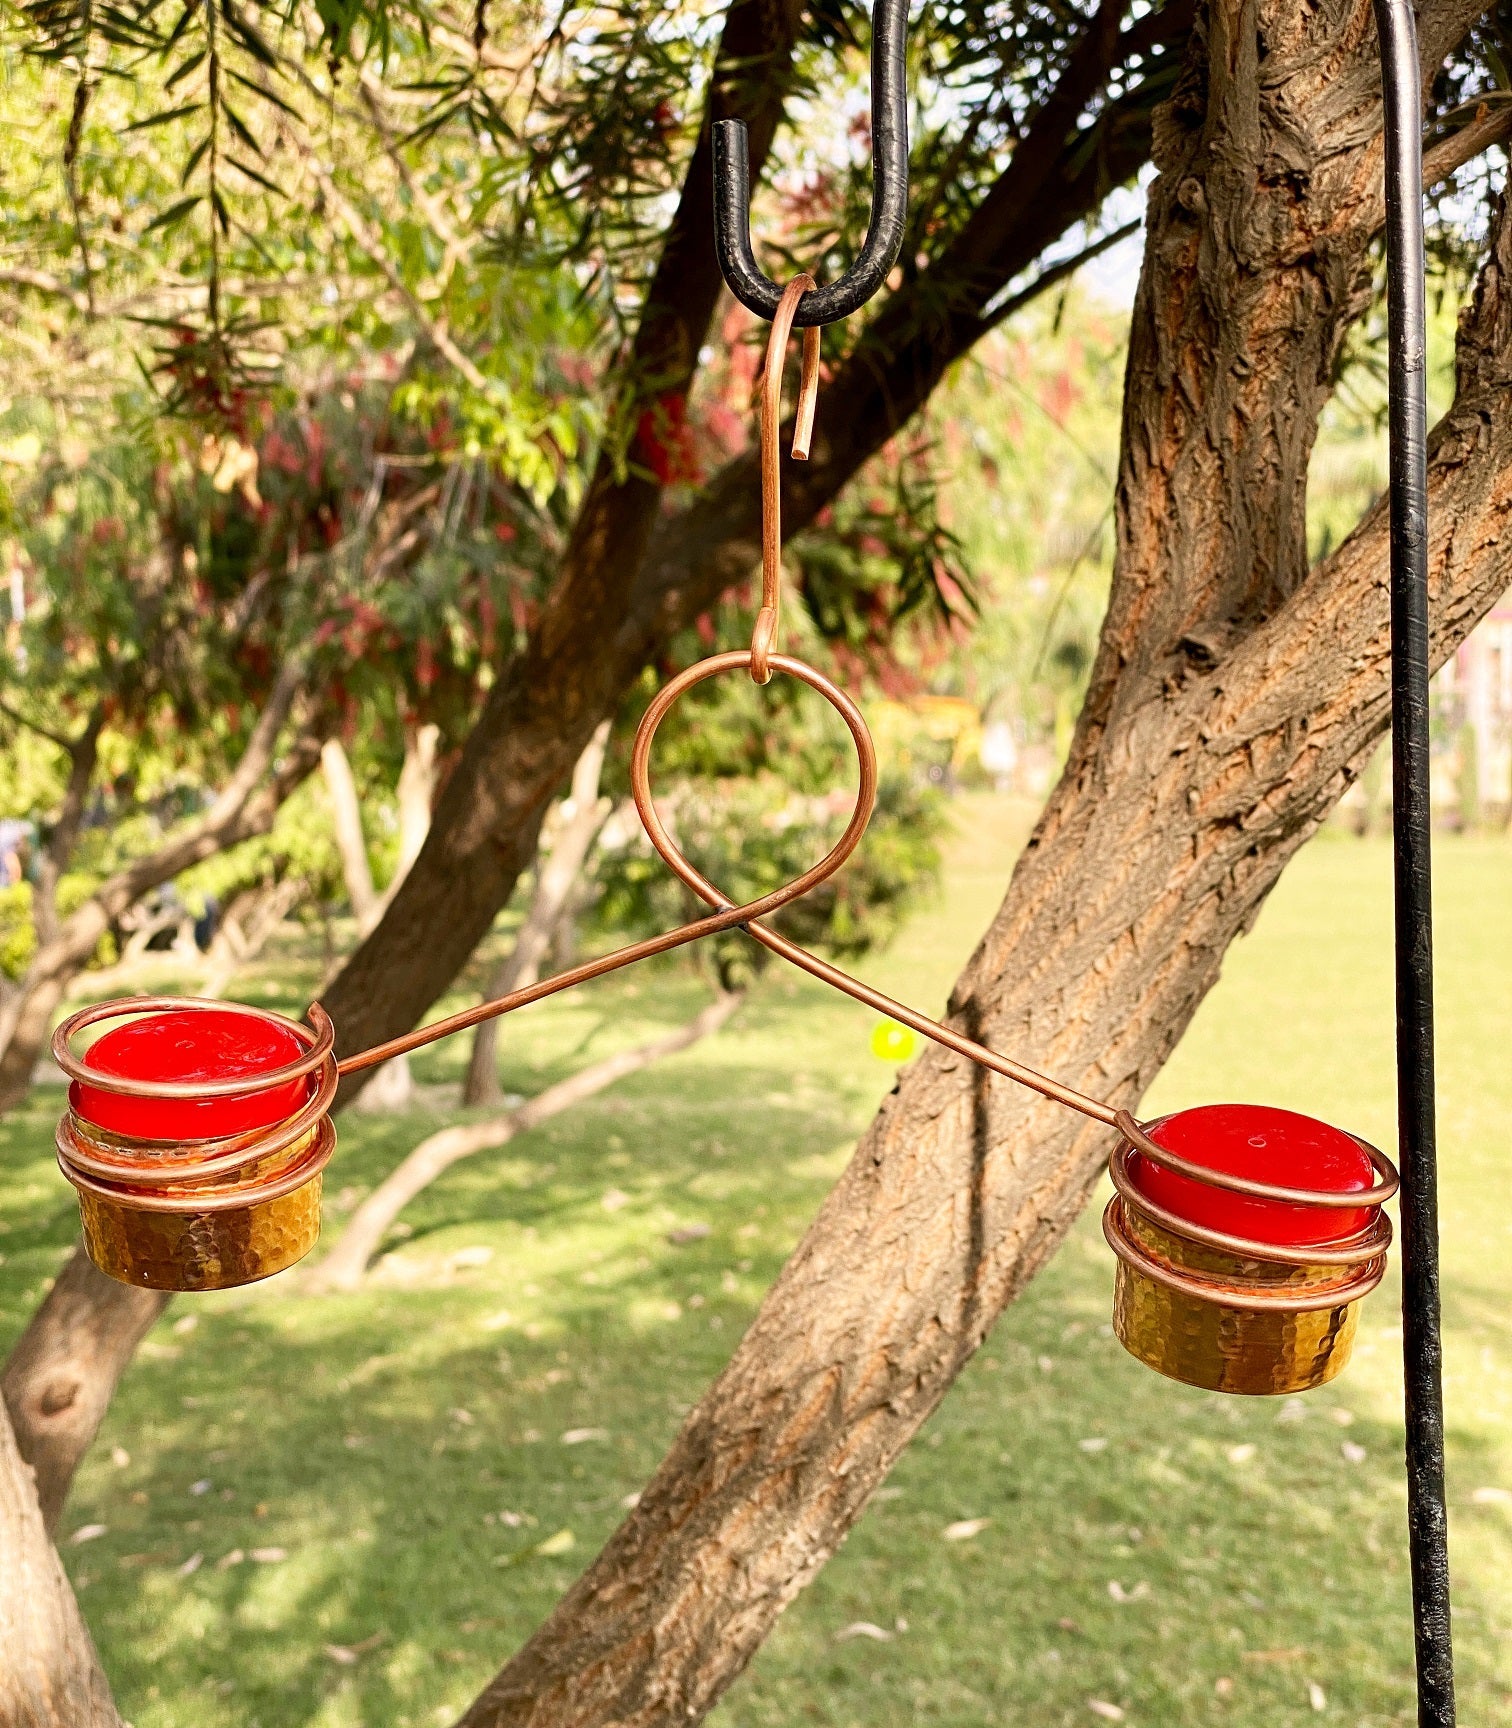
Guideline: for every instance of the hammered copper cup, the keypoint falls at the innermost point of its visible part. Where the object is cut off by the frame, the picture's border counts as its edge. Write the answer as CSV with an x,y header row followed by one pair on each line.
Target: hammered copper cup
x,y
206,1213
1229,1313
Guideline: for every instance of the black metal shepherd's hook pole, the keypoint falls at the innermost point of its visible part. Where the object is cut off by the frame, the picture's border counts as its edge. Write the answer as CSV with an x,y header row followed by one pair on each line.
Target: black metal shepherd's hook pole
x,y
884,233
1422,1349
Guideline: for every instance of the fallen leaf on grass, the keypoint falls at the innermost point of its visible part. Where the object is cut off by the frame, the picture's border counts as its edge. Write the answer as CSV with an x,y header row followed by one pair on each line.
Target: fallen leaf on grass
x,y
346,1655
686,1233
88,1533
577,1436
560,1543
191,1565
1352,1452
1119,1594
1108,1712
1316,1696
1242,1454
863,1629
964,1529
234,1558
120,1457
1093,1443
615,1200
631,1501
269,1556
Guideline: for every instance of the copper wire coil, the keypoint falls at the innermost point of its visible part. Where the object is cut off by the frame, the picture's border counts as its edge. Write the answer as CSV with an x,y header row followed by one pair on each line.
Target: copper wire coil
x,y
227,1198
1255,1298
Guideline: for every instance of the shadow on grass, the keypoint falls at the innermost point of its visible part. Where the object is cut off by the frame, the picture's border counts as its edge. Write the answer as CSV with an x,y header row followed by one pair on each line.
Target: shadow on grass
x,y
386,1492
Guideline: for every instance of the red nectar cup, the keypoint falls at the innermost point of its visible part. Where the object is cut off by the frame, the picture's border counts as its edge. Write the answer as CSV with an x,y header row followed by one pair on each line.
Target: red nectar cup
x,y
1246,1238
196,1135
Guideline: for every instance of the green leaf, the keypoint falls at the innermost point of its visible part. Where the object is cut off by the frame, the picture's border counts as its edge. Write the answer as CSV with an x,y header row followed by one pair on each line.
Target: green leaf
x,y
183,69
239,127
195,156
266,94
164,118
250,39
252,174
174,213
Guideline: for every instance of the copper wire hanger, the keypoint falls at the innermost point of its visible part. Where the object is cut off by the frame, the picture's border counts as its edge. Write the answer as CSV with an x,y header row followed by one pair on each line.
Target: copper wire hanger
x,y
760,660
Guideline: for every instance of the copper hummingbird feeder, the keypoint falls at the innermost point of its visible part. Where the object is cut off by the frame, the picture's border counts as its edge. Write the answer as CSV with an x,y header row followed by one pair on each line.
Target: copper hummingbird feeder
x,y
1246,1237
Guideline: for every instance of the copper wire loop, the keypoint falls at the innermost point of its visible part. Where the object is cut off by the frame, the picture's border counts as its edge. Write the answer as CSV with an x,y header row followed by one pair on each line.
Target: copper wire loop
x,y
1374,1239
1226,1293
764,636
318,1042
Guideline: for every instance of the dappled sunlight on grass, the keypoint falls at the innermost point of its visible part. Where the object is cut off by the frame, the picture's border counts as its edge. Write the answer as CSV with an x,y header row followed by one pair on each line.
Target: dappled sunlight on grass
x,y
386,1491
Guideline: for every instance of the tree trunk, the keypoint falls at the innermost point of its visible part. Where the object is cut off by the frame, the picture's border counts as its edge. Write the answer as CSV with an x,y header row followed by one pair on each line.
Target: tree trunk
x,y
416,795
343,1267
1233,700
245,806
50,1675
392,1086
61,1376
244,929
351,844
555,879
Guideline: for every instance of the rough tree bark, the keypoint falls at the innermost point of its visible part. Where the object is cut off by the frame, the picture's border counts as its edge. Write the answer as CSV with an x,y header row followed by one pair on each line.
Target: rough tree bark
x,y
1233,699
343,1267
50,1675
555,879
980,1153
60,1378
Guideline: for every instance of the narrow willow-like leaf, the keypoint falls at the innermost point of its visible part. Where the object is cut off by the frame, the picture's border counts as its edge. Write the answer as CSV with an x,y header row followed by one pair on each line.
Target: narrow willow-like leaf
x,y
195,157
240,128
164,118
183,69
252,174
174,213
249,36
263,91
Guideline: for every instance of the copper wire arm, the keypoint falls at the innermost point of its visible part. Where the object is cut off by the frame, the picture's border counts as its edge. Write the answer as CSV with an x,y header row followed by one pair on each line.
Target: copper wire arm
x,y
728,917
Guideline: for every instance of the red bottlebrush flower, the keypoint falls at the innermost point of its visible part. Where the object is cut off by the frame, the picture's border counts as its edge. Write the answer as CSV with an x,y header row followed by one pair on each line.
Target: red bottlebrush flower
x,y
665,440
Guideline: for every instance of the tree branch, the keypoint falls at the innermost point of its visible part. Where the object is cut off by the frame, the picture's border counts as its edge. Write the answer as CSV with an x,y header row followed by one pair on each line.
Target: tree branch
x,y
51,1676
555,880
62,1374
343,1267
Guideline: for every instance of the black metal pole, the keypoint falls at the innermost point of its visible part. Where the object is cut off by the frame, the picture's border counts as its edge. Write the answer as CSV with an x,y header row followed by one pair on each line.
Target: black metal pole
x,y
1422,1349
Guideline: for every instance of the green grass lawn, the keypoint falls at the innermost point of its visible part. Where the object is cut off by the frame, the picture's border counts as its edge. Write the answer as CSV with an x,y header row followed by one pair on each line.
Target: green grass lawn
x,y
348,1510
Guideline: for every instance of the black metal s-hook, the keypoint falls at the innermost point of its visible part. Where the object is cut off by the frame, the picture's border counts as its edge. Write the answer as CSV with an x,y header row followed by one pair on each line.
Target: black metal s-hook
x,y
884,233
